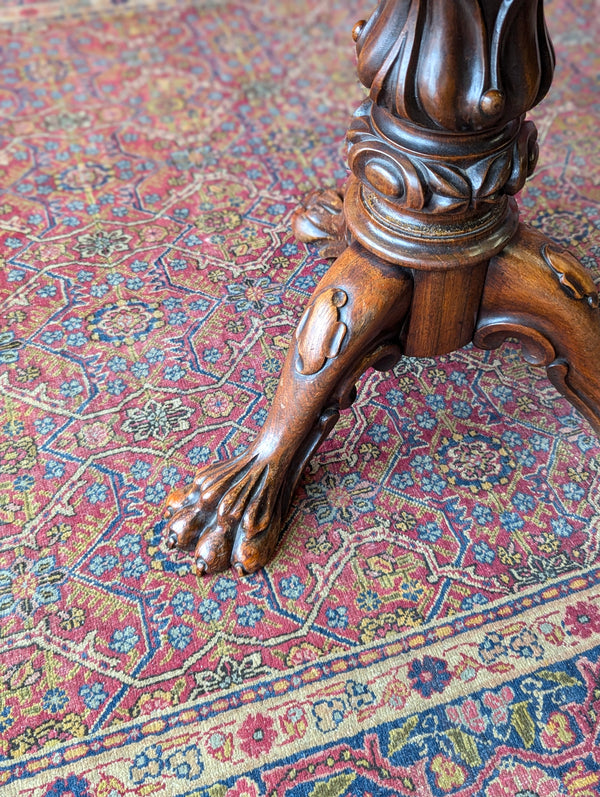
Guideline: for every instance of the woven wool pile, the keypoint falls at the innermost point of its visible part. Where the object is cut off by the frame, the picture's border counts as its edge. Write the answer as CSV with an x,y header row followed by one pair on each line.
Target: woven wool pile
x,y
422,629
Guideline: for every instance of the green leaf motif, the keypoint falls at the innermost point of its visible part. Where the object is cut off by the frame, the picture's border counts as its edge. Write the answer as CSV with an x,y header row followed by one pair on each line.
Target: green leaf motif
x,y
334,787
523,724
465,746
399,736
559,677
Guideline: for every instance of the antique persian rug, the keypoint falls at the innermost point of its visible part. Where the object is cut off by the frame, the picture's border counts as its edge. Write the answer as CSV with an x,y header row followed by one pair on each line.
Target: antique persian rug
x,y
431,622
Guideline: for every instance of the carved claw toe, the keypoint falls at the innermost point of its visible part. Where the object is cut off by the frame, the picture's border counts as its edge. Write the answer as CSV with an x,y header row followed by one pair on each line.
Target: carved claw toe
x,y
321,220
227,516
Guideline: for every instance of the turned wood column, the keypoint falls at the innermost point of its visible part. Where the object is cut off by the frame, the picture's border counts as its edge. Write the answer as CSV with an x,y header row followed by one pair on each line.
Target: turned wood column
x,y
441,146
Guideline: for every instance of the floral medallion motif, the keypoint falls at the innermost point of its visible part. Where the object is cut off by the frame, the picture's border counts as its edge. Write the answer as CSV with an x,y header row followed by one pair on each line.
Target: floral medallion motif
x,y
124,322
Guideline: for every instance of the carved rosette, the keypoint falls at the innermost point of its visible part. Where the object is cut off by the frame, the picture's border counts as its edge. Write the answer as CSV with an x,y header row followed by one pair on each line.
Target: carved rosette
x,y
441,143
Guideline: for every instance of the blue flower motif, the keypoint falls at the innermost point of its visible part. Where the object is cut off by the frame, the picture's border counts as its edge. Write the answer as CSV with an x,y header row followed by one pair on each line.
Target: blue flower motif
x,y
502,393
200,305
482,514
96,493
433,484
249,614
180,636
23,483
170,475
140,469
401,481
337,617
172,302
129,543
430,675
155,355
523,502
525,458
209,610
435,401
460,409
225,589
77,339
421,463
291,587
199,454
431,532
71,324
513,439
115,387
470,602
47,291
511,521
54,469
138,265
378,433
13,243
561,527
395,397
573,491
182,602
483,553
72,786
539,442
140,370
426,420
178,264
51,336
289,249
102,564
93,695
135,284
211,355
124,639
117,364
54,700
368,601
98,291
155,493
134,568
71,388
44,425
174,373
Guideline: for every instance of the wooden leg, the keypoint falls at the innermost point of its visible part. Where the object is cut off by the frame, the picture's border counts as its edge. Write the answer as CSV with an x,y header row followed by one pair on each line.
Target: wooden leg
x,y
233,511
541,294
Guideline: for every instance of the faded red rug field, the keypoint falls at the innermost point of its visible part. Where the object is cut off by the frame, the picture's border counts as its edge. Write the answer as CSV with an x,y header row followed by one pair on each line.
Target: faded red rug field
x,y
422,631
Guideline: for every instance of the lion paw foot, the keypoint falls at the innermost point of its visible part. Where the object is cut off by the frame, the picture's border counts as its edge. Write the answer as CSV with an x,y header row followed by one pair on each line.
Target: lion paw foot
x,y
229,516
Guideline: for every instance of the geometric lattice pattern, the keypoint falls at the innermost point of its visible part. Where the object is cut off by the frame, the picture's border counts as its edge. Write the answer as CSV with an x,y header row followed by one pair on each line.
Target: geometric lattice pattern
x,y
431,622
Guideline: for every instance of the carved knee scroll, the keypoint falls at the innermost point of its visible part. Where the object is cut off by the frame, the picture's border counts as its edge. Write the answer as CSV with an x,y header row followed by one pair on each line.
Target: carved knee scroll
x,y
539,293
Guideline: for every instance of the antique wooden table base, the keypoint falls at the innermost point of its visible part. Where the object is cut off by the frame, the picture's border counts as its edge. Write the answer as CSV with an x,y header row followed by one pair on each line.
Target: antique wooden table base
x,y
431,253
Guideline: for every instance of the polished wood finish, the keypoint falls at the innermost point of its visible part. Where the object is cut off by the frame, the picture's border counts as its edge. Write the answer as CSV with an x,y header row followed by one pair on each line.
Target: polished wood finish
x,y
430,253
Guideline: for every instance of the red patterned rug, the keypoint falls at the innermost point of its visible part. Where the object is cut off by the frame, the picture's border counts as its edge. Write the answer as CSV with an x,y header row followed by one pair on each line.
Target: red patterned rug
x,y
421,631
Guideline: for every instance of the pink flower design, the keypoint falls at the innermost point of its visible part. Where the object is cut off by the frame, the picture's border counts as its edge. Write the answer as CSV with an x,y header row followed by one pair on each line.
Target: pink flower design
x,y
583,619
257,734
498,703
519,779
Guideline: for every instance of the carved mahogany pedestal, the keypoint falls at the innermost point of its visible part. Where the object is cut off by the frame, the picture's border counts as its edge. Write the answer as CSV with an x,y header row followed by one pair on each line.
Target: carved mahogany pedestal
x,y
431,253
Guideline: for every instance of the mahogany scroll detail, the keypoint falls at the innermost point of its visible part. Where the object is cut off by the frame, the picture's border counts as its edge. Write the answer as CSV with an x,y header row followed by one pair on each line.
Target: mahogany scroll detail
x,y
543,296
434,183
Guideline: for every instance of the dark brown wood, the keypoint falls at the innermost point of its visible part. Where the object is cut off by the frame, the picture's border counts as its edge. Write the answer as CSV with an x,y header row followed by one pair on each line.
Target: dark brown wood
x,y
431,253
